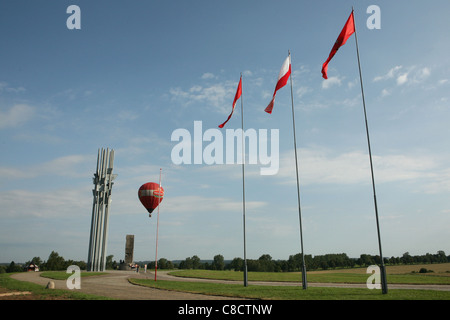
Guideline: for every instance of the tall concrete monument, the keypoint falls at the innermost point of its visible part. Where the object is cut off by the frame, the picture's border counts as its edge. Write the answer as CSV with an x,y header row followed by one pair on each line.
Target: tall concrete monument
x,y
127,264
103,182
129,248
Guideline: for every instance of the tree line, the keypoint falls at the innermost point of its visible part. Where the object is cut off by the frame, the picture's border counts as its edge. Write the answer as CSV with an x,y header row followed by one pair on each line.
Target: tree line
x,y
264,263
55,262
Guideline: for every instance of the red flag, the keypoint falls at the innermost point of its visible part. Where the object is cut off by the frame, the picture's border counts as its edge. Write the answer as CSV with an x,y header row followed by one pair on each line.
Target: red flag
x,y
283,77
346,32
236,97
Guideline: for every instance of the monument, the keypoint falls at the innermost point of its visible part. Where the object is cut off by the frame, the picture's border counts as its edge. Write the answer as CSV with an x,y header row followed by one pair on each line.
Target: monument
x,y
129,248
103,182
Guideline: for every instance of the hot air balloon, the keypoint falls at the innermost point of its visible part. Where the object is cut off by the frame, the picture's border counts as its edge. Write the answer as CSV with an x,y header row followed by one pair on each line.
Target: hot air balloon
x,y
151,194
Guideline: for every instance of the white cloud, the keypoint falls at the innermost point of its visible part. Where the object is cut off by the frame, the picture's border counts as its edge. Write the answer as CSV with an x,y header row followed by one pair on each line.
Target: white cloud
x,y
331,81
421,75
7,88
301,91
208,75
60,203
425,72
67,166
321,166
385,92
16,115
351,84
405,75
389,75
208,204
401,79
216,96
439,183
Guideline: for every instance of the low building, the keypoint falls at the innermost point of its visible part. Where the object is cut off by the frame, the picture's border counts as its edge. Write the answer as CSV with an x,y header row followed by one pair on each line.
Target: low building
x,y
32,267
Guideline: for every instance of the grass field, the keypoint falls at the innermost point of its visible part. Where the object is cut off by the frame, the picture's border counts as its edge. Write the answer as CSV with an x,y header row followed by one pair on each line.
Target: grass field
x,y
336,277
38,292
292,292
395,274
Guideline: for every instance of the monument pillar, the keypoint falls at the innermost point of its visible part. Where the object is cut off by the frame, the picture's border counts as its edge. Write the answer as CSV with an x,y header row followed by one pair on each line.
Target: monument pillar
x,y
129,249
103,182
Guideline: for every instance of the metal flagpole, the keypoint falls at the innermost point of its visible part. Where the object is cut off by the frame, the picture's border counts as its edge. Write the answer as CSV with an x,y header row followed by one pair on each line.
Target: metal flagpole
x,y
304,281
382,268
243,189
157,228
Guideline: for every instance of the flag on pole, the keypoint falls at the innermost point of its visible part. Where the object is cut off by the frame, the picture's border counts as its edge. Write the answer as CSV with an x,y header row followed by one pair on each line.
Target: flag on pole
x,y
346,32
283,77
236,98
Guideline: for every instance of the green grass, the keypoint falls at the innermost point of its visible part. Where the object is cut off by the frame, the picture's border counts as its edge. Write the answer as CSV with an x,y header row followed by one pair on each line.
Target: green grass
x,y
40,293
312,277
291,292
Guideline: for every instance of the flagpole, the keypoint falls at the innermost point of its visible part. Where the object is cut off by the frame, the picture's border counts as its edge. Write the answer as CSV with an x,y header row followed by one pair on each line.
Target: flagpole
x,y
382,267
304,281
157,228
243,190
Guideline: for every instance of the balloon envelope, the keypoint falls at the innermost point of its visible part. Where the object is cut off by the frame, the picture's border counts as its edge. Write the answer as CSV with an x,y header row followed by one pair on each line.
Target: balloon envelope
x,y
150,194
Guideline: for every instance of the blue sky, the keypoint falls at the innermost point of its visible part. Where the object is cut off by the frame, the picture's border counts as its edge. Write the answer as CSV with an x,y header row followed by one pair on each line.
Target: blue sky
x,y
136,71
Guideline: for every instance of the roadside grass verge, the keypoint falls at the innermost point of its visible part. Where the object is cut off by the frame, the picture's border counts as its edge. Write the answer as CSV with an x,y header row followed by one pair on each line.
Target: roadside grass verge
x,y
38,292
290,292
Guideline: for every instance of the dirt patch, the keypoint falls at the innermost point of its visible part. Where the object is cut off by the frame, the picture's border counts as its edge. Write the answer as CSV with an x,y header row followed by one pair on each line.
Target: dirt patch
x,y
6,294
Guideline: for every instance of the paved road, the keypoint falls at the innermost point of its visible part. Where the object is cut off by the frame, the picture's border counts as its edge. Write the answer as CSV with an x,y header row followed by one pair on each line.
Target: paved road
x,y
115,284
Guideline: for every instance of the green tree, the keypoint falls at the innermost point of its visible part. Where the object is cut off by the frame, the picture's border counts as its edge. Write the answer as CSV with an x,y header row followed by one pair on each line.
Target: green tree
x,y
186,263
237,264
13,267
365,260
55,262
406,258
218,262
109,262
441,256
163,263
266,264
196,262
37,261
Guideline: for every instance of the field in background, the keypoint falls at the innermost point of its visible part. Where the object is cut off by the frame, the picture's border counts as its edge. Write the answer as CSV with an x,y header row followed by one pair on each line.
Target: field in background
x,y
291,292
408,274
